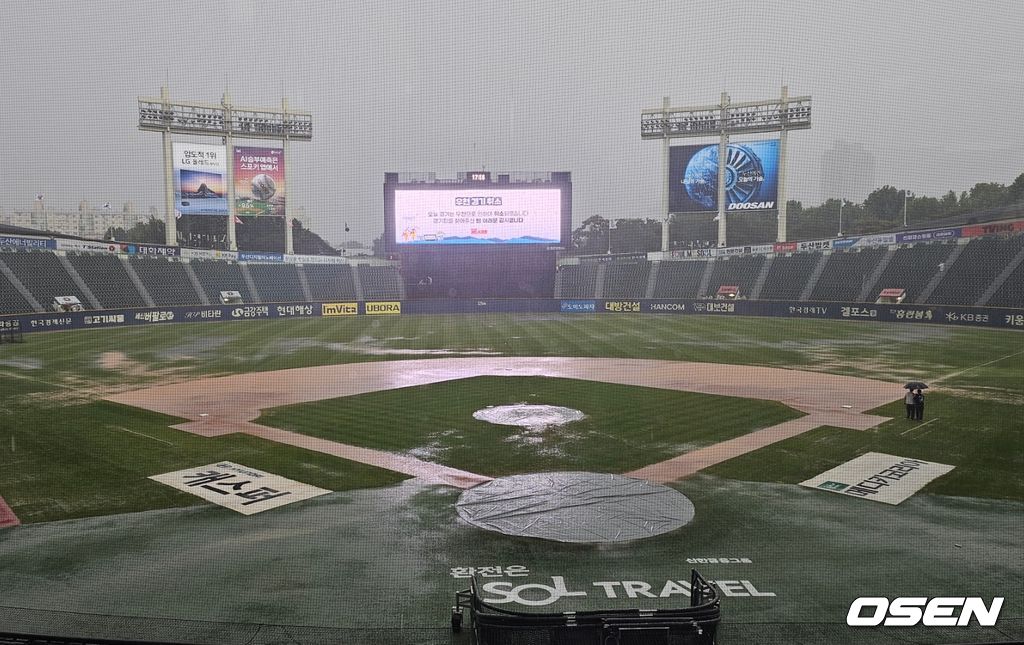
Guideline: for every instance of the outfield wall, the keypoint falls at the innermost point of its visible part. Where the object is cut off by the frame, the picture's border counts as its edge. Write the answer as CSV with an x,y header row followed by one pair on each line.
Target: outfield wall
x,y
989,317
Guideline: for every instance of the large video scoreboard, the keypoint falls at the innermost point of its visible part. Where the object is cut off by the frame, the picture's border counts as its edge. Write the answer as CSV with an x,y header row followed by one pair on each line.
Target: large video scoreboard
x,y
477,211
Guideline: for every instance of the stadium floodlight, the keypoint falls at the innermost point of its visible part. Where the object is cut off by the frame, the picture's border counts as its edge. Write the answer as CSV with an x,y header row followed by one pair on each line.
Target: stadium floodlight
x,y
723,120
225,121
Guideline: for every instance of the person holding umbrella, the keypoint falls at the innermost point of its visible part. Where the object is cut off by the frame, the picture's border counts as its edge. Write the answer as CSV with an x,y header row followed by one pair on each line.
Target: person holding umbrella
x,y
915,399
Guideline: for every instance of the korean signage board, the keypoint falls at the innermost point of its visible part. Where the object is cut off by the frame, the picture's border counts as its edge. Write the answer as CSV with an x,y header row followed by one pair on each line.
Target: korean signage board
x,y
240,488
880,477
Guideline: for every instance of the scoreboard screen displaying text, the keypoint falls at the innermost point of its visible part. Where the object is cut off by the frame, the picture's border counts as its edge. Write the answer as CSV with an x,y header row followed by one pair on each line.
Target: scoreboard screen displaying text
x,y
482,214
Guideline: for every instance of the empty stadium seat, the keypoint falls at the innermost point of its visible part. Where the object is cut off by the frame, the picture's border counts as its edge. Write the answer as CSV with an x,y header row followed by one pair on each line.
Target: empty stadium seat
x,y
845,275
970,275
626,279
579,280
679,279
381,282
166,281
42,273
910,269
11,300
1011,292
740,271
106,277
788,276
330,282
217,275
277,282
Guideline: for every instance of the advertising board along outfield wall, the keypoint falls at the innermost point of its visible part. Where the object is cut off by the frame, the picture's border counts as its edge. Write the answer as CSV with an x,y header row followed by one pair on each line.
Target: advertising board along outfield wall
x,y
987,317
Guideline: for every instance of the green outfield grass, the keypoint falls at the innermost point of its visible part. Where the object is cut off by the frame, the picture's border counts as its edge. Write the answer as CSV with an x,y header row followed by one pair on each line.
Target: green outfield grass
x,y
625,428
983,439
63,453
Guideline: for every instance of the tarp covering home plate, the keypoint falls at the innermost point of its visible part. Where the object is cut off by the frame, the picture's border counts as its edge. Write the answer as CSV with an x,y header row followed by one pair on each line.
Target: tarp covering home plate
x,y
575,507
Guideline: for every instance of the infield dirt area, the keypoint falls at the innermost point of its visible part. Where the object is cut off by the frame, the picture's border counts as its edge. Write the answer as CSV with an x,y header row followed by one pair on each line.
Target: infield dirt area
x,y
229,404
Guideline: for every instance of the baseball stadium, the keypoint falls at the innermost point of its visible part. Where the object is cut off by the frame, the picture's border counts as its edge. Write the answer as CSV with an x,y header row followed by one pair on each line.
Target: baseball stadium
x,y
731,419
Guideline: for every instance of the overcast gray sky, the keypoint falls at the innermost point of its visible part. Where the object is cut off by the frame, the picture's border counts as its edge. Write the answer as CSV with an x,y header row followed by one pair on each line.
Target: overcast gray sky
x,y
933,90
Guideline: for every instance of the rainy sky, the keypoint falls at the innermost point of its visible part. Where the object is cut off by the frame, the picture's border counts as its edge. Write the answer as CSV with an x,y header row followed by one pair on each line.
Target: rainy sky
x,y
928,94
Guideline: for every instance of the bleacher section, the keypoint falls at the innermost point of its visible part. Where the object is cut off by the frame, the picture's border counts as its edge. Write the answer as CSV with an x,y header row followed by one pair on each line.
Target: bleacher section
x,y
982,260
277,282
330,282
579,280
739,271
11,300
381,282
218,275
43,275
166,281
1011,292
845,275
106,277
626,279
910,269
986,271
679,279
788,275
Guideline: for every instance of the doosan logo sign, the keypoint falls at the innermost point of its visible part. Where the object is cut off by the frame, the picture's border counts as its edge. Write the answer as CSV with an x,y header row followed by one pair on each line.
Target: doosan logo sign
x,y
930,612
750,206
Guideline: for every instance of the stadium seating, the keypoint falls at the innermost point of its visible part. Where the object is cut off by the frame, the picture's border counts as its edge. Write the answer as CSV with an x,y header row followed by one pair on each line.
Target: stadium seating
x,y
44,276
166,281
330,282
986,268
845,275
106,277
740,271
381,282
277,282
910,269
981,261
626,279
1011,292
11,300
679,279
217,275
579,280
788,275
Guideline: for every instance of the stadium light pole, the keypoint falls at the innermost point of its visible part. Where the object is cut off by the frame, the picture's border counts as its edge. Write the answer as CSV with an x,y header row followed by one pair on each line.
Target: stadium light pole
x,y
904,208
723,156
840,232
724,120
226,122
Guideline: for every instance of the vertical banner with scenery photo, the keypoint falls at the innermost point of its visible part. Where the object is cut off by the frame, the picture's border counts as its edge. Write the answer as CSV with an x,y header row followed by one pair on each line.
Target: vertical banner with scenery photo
x,y
200,184
751,177
259,181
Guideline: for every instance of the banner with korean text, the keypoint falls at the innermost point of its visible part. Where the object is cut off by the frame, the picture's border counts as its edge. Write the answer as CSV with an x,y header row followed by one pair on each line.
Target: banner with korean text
x,y
880,477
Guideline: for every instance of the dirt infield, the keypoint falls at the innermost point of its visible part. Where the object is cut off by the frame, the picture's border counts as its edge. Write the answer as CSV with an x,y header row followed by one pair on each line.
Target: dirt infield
x,y
224,405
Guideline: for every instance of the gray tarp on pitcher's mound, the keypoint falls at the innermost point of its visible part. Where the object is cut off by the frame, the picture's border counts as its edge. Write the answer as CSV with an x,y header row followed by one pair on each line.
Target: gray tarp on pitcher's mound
x,y
575,507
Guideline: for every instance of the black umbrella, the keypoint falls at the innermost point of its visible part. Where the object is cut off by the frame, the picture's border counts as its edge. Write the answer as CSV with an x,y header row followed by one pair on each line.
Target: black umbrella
x,y
915,385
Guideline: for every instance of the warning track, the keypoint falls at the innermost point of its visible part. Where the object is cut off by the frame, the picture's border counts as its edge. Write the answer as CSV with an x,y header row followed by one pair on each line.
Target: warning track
x,y
229,404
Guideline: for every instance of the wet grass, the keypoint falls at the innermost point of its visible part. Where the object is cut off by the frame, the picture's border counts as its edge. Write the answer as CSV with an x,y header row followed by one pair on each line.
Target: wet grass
x,y
625,427
61,454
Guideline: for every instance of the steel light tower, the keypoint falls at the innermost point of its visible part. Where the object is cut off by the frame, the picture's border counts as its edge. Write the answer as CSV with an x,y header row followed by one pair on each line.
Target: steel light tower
x,y
776,115
224,121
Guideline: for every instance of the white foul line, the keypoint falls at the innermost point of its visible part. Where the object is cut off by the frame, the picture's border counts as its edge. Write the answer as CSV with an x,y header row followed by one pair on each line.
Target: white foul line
x,y
143,435
943,378
918,427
